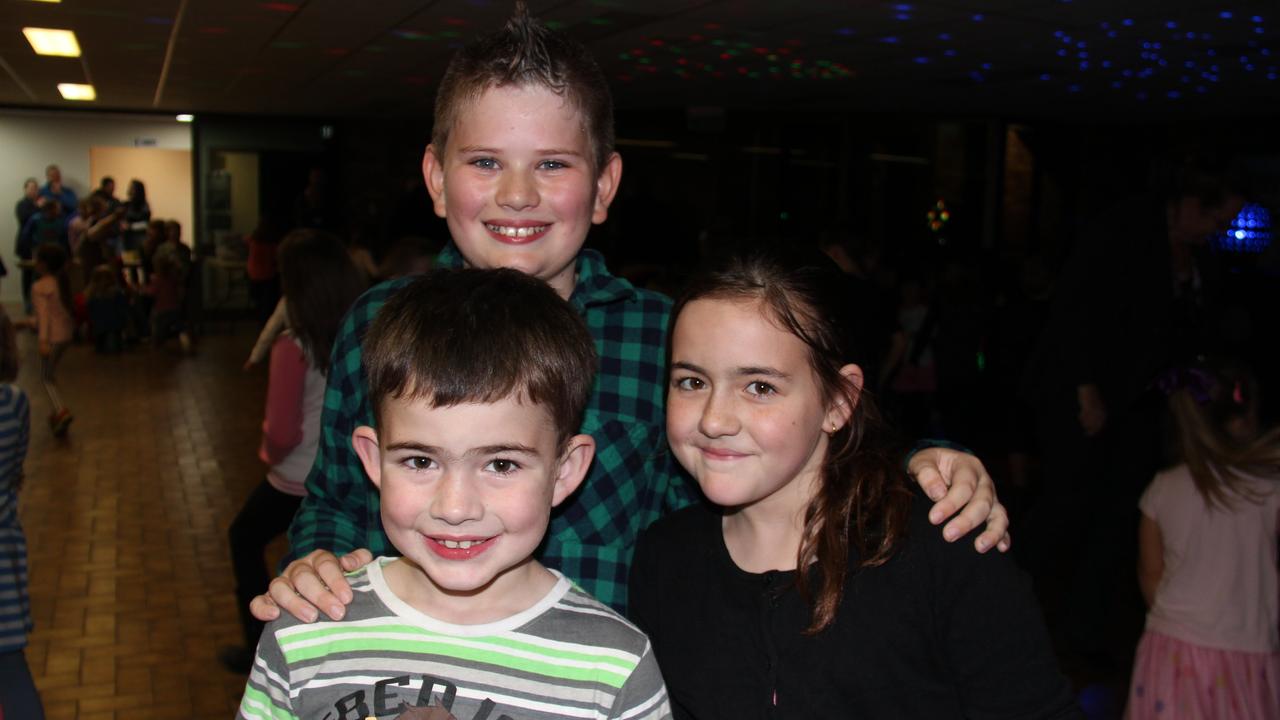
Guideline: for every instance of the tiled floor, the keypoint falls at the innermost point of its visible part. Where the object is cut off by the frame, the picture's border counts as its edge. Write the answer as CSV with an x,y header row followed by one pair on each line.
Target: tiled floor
x,y
126,520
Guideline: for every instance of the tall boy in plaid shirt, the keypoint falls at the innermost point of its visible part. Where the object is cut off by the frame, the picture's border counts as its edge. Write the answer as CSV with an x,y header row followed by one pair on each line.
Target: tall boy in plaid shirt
x,y
521,165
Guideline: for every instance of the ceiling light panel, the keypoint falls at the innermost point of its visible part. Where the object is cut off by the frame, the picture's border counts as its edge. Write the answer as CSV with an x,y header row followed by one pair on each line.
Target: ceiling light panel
x,y
50,41
77,91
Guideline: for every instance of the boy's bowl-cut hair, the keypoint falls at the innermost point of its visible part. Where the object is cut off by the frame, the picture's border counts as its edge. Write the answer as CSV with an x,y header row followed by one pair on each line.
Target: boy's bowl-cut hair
x,y
526,52
456,336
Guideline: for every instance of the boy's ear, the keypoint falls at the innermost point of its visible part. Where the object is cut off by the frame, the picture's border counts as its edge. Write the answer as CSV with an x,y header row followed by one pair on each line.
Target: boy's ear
x,y
574,463
607,187
842,409
433,175
365,442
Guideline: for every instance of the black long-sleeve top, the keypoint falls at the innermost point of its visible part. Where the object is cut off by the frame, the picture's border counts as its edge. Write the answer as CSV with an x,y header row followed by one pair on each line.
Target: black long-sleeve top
x,y
939,631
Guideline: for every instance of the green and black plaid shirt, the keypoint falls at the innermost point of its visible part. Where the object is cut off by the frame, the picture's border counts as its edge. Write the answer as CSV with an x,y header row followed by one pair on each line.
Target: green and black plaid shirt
x,y
633,479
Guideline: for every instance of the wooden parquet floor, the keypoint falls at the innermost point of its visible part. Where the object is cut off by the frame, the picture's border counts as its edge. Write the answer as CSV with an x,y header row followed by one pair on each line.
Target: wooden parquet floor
x,y
126,521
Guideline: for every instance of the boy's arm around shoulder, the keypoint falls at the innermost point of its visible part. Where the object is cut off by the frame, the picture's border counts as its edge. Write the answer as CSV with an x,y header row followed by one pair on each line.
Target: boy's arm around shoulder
x,y
991,630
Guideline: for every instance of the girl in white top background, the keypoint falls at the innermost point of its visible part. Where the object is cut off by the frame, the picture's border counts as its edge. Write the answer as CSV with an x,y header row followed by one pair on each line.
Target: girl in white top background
x,y
1207,558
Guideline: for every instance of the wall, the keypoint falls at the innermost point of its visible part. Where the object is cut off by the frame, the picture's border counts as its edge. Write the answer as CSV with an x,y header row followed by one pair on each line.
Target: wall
x,y
165,173
31,140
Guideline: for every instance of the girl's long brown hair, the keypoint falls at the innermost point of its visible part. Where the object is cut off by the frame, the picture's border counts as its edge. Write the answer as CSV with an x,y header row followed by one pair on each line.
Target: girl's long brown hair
x,y
319,284
862,498
1204,405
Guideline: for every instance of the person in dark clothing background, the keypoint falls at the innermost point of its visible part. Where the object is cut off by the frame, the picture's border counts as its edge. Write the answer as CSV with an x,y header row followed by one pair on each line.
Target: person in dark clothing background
x,y
1137,295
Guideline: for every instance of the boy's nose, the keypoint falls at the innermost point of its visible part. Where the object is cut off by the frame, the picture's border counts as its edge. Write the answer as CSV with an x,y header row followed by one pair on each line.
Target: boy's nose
x,y
456,500
718,418
517,190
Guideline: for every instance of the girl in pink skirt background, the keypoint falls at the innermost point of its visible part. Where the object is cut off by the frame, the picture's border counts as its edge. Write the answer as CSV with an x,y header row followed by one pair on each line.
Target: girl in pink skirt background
x,y
1207,558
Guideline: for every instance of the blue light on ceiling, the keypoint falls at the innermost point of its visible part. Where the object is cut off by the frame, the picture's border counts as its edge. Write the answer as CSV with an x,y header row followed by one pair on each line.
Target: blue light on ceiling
x,y
1225,14
1250,232
1127,22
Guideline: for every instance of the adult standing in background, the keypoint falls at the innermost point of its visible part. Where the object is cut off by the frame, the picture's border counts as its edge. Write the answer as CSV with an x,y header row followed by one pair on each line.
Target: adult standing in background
x,y
137,213
107,191
55,190
1140,293
29,205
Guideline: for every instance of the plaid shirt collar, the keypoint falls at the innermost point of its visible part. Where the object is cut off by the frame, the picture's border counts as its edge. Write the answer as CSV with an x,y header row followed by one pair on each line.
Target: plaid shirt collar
x,y
594,286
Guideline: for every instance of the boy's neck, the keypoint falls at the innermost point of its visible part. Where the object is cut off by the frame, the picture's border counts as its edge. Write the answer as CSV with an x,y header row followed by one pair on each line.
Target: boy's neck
x,y
512,593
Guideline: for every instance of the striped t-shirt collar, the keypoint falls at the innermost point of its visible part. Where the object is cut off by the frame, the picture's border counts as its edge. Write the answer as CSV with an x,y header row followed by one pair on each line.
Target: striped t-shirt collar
x,y
378,585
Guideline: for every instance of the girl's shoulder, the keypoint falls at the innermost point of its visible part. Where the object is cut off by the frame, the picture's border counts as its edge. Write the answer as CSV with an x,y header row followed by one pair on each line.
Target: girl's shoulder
x,y
696,522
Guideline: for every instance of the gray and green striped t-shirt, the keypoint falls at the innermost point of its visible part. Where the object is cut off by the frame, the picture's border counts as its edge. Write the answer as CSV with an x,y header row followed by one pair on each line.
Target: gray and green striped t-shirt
x,y
568,656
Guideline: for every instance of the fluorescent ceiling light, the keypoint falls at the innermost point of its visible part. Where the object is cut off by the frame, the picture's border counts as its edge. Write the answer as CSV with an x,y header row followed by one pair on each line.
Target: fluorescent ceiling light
x,y
49,1
186,117
46,41
76,91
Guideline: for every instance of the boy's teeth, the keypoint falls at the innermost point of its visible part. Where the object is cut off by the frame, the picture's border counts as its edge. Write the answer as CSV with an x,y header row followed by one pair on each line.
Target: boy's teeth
x,y
516,232
455,544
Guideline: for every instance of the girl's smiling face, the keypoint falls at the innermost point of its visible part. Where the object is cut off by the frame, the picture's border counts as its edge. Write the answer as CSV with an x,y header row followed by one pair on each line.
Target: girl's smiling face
x,y
746,415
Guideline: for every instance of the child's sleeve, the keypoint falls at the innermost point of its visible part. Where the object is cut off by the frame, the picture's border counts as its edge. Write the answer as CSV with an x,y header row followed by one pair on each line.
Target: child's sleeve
x,y
643,696
993,636
40,303
267,696
282,422
273,327
1153,496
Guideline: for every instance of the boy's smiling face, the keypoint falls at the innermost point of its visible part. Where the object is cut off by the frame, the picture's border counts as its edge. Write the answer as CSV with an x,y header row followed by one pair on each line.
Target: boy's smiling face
x,y
516,183
467,493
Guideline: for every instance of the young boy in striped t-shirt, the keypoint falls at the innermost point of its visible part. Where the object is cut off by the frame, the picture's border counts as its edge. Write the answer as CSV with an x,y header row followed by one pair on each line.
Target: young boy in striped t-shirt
x,y
478,380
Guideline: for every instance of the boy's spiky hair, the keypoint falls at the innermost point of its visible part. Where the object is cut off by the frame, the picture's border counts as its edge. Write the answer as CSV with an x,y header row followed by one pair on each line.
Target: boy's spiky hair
x,y
526,52
455,336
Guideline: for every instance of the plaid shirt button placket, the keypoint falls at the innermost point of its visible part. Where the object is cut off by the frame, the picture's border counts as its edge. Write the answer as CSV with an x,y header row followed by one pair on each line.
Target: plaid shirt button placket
x,y
631,483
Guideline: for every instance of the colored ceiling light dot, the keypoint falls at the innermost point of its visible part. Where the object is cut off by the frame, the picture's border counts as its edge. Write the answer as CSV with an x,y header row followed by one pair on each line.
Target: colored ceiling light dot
x,y
1225,14
1045,77
1127,22
978,17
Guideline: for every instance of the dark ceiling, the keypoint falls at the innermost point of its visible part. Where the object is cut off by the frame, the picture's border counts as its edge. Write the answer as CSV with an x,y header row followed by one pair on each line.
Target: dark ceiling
x,y
1121,58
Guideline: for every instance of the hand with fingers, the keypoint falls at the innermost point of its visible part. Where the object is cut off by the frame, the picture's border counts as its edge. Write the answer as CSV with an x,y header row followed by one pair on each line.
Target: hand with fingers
x,y
961,490
310,584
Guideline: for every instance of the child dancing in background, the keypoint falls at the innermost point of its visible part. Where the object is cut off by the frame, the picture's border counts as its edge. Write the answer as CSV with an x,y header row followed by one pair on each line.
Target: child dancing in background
x,y
55,326
1207,558
320,283
18,696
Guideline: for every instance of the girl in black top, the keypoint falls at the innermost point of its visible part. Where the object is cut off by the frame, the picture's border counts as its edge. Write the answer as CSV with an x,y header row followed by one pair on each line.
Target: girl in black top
x,y
886,619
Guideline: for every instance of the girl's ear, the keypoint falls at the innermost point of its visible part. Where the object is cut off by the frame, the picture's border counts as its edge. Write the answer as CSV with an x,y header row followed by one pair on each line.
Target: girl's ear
x,y
842,409
574,462
365,442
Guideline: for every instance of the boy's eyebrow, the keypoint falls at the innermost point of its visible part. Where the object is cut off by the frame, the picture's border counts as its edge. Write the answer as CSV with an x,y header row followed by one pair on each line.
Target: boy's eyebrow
x,y
473,452
469,149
